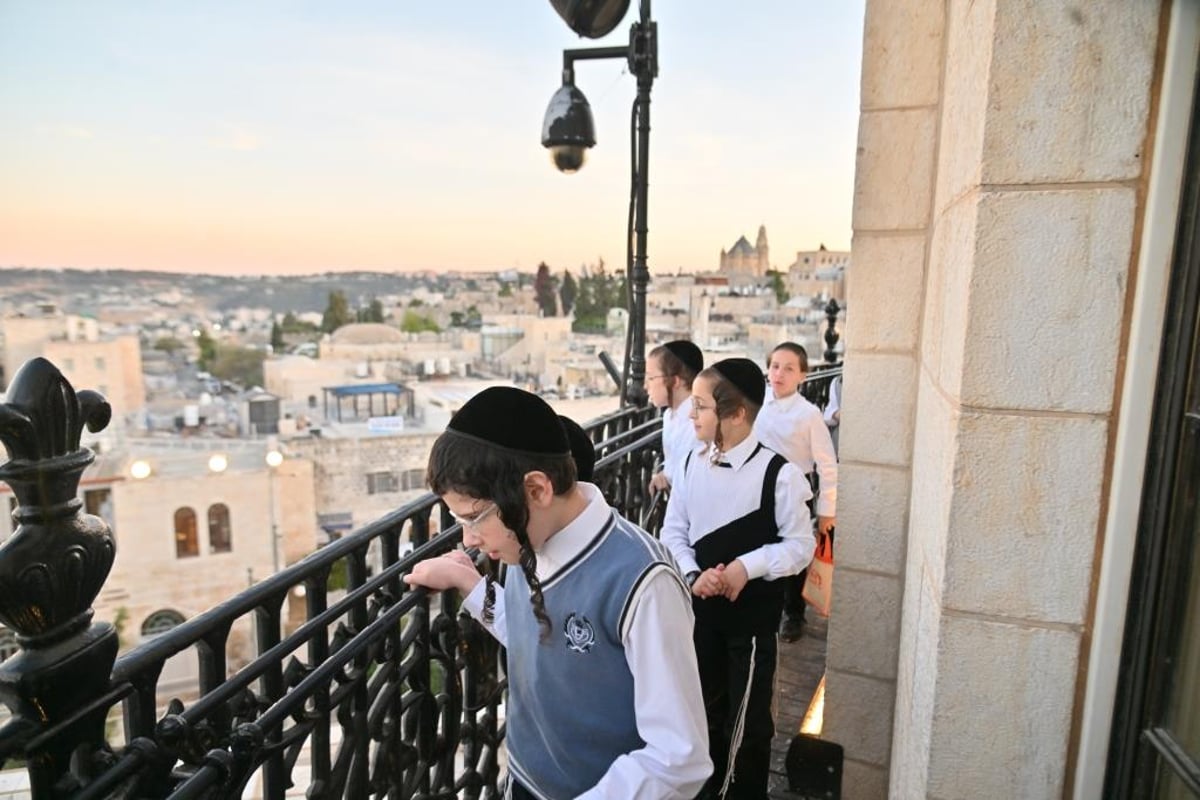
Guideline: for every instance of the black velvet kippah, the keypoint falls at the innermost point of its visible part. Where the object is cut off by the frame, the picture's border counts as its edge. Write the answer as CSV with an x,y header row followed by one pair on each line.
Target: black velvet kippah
x,y
582,449
513,419
746,376
688,353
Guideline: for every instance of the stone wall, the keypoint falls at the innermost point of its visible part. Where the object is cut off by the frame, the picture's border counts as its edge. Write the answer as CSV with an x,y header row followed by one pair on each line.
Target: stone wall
x,y
1001,146
341,466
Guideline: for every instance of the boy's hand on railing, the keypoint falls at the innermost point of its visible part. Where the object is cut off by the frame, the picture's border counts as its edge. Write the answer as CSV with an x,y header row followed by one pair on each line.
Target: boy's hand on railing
x,y
454,570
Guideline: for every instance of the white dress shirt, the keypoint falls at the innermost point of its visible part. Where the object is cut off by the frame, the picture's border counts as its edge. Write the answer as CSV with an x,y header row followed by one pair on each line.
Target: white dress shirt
x,y
835,402
668,704
794,428
710,497
678,438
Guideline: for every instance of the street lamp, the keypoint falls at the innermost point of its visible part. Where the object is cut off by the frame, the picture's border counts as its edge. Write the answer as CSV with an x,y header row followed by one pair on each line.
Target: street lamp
x,y
273,458
568,133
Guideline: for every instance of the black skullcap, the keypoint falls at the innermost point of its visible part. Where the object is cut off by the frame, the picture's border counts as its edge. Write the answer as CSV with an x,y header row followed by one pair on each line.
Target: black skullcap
x,y
511,419
746,376
582,449
688,353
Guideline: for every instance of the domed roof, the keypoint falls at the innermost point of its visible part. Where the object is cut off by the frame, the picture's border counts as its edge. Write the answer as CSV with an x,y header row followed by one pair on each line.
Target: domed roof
x,y
366,333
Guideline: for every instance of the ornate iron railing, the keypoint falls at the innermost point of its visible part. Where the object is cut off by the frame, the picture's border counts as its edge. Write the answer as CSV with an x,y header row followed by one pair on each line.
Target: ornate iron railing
x,y
383,691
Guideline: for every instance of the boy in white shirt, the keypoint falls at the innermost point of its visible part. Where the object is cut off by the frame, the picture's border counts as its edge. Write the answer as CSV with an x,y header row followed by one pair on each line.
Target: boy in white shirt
x,y
794,428
738,527
670,370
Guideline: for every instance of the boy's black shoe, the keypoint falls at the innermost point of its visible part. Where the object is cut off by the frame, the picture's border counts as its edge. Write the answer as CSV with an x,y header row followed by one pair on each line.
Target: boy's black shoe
x,y
791,629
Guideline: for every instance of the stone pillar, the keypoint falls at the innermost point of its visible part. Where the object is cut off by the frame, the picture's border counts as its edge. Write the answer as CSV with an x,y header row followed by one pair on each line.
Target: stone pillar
x,y
893,194
993,418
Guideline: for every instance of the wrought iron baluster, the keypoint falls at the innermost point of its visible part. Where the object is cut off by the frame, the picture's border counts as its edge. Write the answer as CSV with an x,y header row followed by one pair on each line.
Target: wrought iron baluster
x,y
318,651
267,632
356,732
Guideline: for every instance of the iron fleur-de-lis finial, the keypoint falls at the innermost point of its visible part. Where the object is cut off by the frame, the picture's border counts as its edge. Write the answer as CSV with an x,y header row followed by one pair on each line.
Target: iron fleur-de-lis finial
x,y
44,416
54,564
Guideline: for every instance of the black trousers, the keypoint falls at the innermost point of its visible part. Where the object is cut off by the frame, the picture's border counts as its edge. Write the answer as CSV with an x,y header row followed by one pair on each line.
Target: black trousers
x,y
726,669
793,595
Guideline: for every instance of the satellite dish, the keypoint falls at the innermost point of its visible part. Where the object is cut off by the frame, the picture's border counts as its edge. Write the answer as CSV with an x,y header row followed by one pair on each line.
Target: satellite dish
x,y
591,18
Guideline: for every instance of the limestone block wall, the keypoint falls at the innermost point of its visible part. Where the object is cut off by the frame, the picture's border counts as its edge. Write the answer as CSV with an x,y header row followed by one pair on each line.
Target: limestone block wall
x,y
341,465
1001,150
893,189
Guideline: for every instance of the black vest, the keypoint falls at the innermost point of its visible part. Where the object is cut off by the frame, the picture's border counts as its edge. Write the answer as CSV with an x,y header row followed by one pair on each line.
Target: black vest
x,y
760,604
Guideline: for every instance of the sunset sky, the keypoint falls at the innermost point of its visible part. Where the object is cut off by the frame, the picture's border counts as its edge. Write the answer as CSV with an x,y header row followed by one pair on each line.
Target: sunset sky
x,y
266,136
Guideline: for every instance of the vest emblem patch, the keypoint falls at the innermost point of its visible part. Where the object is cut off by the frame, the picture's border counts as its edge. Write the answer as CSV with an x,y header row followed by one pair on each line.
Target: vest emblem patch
x,y
579,632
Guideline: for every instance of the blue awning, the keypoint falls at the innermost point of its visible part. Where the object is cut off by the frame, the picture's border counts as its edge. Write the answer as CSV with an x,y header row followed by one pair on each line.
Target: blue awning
x,y
350,390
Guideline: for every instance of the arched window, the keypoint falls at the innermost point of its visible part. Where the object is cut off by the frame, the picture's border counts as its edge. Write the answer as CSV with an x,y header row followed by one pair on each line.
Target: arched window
x,y
220,539
160,622
187,544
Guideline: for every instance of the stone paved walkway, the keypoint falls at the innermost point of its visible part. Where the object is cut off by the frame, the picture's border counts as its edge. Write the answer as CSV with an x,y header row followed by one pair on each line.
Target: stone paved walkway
x,y
801,665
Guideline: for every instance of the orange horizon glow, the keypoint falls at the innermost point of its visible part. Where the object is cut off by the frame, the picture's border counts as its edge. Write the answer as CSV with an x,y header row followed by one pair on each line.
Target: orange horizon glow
x,y
389,139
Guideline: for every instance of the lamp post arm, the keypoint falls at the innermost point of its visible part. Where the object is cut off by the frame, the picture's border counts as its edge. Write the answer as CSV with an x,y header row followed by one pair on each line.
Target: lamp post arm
x,y
591,54
641,54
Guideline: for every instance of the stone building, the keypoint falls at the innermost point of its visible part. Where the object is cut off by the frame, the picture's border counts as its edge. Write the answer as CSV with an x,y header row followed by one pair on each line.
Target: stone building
x,y
743,258
191,532
358,479
112,365
1017,447
819,273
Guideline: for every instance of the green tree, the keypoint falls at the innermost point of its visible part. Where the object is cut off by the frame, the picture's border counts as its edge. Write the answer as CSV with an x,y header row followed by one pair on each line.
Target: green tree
x,y
568,290
619,293
293,325
598,293
544,291
375,311
277,343
337,312
208,350
777,286
168,344
241,365
416,323
505,289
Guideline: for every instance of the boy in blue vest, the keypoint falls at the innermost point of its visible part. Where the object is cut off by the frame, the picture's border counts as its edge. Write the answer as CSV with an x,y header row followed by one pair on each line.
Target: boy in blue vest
x,y
602,704
738,526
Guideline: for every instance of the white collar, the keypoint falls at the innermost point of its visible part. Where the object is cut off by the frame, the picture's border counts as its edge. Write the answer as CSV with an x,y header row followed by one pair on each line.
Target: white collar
x,y
561,548
740,454
784,403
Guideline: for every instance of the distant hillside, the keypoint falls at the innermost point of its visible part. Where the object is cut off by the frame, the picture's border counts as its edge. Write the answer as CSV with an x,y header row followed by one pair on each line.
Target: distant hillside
x,y
279,293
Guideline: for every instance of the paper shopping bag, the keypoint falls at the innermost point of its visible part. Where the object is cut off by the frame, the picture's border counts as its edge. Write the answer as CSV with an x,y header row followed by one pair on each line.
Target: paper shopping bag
x,y
818,587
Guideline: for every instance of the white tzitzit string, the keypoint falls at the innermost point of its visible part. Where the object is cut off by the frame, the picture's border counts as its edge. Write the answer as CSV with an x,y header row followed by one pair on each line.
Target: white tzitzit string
x,y
739,727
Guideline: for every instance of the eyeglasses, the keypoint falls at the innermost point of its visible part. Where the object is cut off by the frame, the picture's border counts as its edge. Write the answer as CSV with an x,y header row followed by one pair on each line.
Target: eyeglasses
x,y
474,522
697,408
649,378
